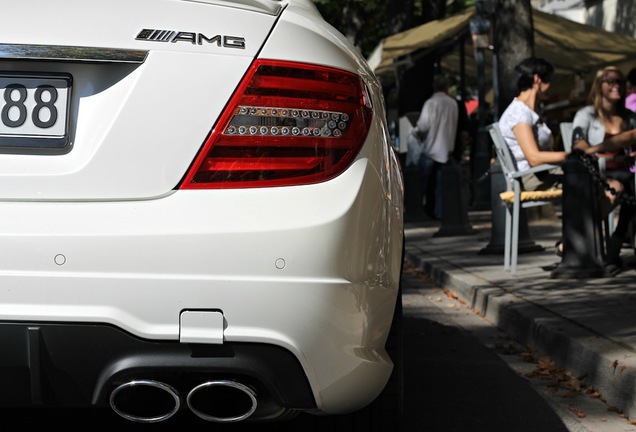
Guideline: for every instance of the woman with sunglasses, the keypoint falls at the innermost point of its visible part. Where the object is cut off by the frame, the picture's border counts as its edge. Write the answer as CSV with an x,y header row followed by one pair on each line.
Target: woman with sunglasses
x,y
604,118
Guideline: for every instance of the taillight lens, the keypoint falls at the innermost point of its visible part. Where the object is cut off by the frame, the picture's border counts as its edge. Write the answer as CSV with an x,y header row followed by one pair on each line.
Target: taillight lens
x,y
288,124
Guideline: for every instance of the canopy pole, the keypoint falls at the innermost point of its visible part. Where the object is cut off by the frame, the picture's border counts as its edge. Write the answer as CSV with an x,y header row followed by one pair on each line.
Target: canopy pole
x,y
480,34
462,68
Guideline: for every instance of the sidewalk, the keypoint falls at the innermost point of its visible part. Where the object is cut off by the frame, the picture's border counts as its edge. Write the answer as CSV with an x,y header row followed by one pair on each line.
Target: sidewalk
x,y
587,326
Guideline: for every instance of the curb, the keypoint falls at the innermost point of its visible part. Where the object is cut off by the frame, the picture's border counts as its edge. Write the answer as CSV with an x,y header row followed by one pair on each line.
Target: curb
x,y
606,366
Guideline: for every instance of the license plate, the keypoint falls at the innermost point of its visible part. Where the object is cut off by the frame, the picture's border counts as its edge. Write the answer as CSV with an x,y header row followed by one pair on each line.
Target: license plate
x,y
34,112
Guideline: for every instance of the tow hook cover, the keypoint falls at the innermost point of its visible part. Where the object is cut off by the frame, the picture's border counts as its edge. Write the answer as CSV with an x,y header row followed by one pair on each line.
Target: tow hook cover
x,y
200,326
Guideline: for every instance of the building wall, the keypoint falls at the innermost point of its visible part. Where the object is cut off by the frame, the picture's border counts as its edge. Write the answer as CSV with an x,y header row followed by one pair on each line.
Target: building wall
x,y
618,16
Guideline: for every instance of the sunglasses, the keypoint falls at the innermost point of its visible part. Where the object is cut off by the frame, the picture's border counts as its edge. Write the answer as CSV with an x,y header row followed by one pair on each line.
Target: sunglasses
x,y
612,82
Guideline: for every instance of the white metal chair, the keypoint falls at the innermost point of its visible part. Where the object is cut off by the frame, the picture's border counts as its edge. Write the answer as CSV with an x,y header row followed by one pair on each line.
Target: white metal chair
x,y
515,198
566,135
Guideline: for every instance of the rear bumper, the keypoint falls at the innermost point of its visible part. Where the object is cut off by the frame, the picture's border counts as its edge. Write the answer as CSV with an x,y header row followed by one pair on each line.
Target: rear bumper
x,y
313,270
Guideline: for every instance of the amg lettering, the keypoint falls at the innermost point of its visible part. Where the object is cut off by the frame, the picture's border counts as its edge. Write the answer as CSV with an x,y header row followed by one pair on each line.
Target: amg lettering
x,y
155,35
228,41
186,37
234,42
213,39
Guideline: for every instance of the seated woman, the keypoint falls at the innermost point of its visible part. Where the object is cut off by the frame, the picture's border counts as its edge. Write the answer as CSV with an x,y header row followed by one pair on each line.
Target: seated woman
x,y
529,139
604,118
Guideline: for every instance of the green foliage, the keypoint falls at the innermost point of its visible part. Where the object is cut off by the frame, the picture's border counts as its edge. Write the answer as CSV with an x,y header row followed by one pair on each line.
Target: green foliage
x,y
457,6
367,22
362,21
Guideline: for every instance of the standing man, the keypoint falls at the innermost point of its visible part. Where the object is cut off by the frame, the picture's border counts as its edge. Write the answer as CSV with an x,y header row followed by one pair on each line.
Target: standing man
x,y
436,129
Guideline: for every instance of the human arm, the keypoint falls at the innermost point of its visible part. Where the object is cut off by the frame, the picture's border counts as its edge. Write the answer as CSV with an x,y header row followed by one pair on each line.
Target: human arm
x,y
423,123
579,143
614,143
525,137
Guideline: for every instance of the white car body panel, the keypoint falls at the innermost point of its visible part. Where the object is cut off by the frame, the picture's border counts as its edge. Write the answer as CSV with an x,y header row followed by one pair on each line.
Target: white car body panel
x,y
298,37
112,107
100,235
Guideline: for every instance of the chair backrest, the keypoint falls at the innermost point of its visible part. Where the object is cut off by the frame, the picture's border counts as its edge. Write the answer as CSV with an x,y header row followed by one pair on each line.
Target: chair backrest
x,y
508,165
566,135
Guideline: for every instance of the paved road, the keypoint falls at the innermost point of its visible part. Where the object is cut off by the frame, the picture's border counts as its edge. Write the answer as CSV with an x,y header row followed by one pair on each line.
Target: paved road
x,y
458,384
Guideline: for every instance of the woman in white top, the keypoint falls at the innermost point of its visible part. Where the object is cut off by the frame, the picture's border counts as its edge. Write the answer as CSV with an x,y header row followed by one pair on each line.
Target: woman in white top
x,y
529,140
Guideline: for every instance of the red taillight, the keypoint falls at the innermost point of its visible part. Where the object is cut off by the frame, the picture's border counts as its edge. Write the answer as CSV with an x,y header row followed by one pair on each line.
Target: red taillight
x,y
288,124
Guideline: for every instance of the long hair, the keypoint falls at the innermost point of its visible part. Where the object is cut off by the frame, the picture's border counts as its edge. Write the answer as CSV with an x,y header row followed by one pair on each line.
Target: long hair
x,y
596,95
528,68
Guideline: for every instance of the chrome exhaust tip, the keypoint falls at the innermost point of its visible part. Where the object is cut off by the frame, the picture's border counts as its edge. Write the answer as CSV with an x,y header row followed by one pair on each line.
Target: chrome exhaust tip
x,y
222,401
145,401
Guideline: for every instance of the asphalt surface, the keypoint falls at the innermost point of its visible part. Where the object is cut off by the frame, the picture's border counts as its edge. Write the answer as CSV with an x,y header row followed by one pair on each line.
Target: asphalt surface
x,y
586,325
455,380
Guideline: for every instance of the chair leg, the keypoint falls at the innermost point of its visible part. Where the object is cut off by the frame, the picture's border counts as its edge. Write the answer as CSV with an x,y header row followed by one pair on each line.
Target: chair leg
x,y
610,225
515,238
507,247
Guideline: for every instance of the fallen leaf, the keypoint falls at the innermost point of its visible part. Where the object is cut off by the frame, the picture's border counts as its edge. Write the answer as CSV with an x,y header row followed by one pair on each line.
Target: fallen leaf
x,y
546,363
528,357
451,295
573,384
578,411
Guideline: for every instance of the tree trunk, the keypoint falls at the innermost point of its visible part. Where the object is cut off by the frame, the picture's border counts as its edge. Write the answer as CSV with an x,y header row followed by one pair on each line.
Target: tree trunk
x,y
352,21
514,41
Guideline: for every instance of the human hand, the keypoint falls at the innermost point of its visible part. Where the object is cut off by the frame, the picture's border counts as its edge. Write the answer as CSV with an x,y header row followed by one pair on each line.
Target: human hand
x,y
581,145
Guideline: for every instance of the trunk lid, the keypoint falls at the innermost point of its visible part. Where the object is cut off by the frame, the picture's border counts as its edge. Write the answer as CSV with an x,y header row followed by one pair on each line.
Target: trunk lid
x,y
145,80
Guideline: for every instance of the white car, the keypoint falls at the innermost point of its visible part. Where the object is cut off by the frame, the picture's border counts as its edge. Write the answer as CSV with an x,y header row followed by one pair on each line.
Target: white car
x,y
200,211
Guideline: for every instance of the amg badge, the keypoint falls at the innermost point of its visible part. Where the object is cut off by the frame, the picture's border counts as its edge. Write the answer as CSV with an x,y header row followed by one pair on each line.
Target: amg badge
x,y
154,35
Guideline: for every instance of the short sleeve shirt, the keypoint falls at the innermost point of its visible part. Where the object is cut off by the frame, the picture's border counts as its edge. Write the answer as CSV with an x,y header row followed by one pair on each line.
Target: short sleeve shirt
x,y
517,113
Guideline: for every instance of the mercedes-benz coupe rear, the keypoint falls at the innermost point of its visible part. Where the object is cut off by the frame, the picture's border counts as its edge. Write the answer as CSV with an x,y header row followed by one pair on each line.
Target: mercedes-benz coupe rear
x,y
199,210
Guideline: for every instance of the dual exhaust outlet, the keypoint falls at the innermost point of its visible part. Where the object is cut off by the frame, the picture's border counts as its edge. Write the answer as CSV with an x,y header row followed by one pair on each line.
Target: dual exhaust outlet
x,y
149,401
